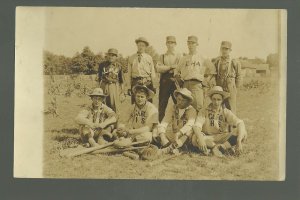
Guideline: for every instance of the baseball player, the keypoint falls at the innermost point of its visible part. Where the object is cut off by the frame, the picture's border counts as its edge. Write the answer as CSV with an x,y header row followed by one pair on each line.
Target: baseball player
x,y
192,69
228,74
96,121
143,116
111,79
140,67
182,118
165,66
211,129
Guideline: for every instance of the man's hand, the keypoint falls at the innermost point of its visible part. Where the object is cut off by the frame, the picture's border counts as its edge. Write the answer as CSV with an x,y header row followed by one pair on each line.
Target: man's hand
x,y
201,143
92,125
177,141
242,137
122,131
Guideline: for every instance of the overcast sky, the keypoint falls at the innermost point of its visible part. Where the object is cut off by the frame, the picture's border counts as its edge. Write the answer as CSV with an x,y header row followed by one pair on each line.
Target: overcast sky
x,y
253,33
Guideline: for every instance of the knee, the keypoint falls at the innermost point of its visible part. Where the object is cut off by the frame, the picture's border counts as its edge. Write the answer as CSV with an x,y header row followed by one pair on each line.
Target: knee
x,y
144,137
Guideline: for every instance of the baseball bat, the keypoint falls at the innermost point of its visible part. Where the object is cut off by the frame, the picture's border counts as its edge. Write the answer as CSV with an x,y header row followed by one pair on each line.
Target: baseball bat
x,y
113,150
76,152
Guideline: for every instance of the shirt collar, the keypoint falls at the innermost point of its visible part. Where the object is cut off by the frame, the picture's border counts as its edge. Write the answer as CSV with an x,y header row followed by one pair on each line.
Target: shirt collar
x,y
171,52
211,109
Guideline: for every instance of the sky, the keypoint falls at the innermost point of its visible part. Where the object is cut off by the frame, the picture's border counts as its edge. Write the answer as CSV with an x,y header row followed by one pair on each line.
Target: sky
x,y
253,33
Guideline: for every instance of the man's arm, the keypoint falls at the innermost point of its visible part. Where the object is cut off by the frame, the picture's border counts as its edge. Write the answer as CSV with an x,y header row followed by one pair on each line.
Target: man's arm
x,y
82,119
238,73
112,118
162,127
153,72
129,73
160,66
191,116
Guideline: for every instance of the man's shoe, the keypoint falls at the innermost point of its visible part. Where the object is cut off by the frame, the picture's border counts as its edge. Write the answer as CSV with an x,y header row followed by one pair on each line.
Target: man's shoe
x,y
216,151
101,141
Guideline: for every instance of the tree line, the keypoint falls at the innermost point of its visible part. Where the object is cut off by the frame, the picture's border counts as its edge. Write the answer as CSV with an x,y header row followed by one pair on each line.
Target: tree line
x,y
87,62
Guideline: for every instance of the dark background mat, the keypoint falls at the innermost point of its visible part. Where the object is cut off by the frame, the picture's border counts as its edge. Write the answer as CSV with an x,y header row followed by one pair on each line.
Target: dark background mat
x,y
11,188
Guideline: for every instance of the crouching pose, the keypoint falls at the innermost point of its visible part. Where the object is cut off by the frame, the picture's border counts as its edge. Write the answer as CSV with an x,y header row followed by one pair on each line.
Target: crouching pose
x,y
96,121
212,126
182,118
143,116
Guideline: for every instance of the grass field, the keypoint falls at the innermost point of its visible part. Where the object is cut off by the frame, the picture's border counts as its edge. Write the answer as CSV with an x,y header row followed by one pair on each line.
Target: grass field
x,y
257,106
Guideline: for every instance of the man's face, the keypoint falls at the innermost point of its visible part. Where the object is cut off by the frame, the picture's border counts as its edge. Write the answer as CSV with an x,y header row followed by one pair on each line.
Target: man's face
x,y
111,57
97,101
192,45
140,98
217,100
171,45
225,51
141,46
182,102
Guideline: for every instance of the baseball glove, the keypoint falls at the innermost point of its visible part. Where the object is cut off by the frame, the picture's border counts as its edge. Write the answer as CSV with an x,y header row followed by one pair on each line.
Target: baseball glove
x,y
150,153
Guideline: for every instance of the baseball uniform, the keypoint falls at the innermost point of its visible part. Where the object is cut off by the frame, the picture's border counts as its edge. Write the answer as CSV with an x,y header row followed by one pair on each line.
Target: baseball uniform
x,y
192,69
140,117
215,125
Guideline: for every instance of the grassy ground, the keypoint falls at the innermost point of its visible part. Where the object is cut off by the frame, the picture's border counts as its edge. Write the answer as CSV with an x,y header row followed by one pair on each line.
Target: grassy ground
x,y
257,106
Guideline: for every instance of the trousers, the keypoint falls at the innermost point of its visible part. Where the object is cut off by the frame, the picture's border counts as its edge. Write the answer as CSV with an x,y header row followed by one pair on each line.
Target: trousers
x,y
229,86
113,92
166,89
197,91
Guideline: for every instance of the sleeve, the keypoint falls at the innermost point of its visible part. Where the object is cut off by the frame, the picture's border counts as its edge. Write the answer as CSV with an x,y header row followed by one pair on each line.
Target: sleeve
x,y
181,62
162,127
129,72
238,72
191,115
153,72
210,68
121,75
200,119
231,118
108,111
100,71
160,66
81,118
152,117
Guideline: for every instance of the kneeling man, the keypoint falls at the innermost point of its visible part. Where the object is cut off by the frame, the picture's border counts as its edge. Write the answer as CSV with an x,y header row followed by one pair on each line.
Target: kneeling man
x,y
143,116
96,121
212,126
182,118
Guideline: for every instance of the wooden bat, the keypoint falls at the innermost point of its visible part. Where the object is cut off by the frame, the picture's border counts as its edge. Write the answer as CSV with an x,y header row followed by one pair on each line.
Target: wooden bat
x,y
79,151
159,161
113,150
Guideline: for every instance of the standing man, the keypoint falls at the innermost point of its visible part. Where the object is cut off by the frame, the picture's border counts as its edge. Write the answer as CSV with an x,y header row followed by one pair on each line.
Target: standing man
x,y
141,68
191,69
166,65
111,79
228,74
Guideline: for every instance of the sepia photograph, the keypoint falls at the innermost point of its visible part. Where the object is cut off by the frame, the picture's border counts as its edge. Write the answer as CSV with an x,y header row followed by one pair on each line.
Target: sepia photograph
x,y
150,93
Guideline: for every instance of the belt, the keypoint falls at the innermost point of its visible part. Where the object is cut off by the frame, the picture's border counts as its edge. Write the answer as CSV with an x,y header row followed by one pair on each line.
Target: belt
x,y
195,80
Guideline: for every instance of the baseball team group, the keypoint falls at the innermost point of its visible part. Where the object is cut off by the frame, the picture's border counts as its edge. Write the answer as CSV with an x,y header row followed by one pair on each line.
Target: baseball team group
x,y
196,95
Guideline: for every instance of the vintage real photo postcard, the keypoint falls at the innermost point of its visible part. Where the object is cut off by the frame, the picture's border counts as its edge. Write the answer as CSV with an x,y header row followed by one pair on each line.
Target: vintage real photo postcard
x,y
150,93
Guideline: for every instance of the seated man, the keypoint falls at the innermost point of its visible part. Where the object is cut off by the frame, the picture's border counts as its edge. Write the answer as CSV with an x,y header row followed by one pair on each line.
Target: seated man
x,y
96,121
182,118
212,126
143,116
